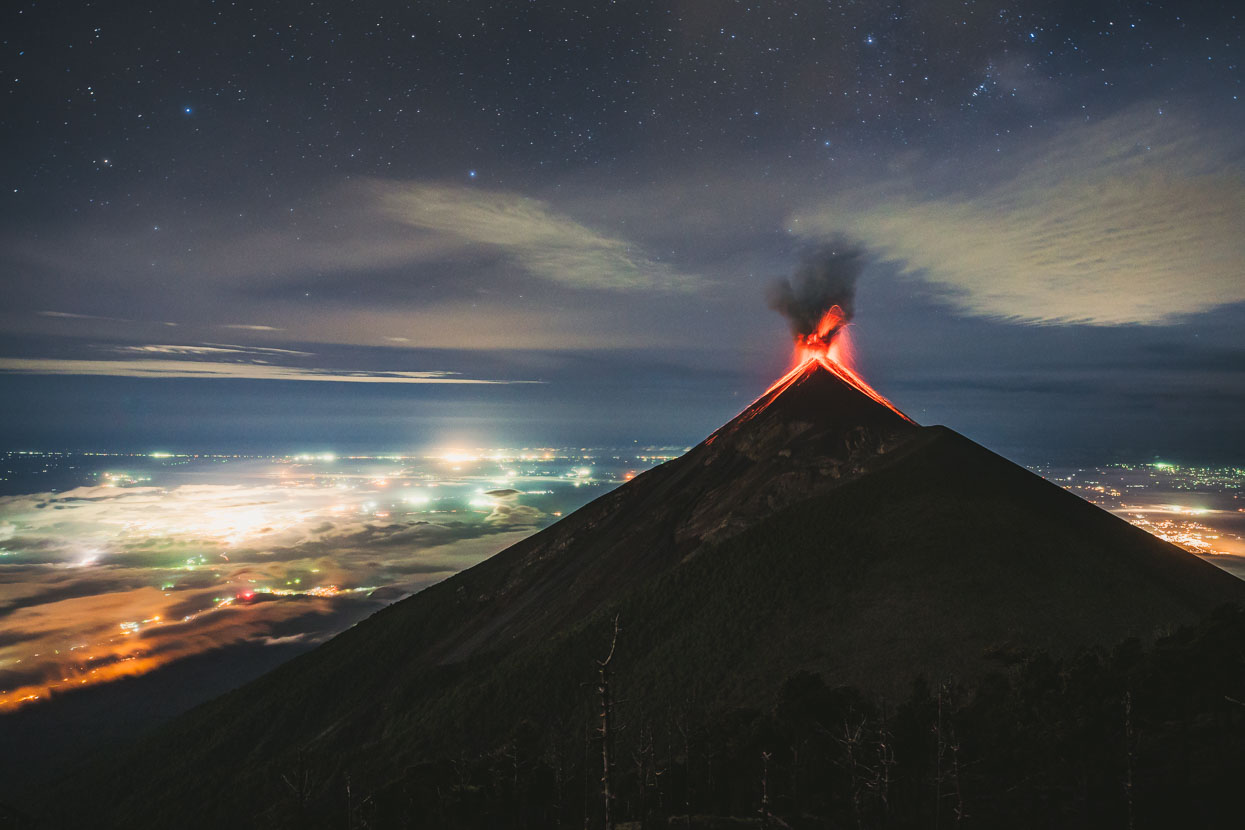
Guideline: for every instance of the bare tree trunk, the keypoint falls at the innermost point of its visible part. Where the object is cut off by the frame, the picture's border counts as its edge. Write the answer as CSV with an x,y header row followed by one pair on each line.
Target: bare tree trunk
x,y
944,728
886,760
960,815
559,782
299,784
644,763
349,806
685,729
850,741
607,735
765,813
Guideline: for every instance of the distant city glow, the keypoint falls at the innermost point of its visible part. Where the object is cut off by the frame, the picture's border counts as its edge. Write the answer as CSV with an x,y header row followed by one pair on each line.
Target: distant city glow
x,y
1199,509
119,564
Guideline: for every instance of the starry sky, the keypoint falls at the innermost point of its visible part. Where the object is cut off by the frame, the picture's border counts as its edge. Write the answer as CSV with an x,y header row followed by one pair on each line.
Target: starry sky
x,y
299,226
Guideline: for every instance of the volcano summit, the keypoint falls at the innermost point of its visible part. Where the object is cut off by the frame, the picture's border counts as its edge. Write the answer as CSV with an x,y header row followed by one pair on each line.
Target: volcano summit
x,y
820,530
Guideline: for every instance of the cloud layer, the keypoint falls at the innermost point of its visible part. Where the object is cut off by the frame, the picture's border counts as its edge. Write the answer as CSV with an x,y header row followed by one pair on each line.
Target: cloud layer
x,y
543,242
1136,219
206,369
374,225
105,581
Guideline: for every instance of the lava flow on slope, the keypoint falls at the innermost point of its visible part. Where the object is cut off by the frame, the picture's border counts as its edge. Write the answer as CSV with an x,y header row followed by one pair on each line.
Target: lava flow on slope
x,y
829,347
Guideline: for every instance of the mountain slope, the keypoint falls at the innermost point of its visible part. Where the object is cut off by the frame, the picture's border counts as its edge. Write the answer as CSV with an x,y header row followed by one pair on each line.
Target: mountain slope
x,y
818,530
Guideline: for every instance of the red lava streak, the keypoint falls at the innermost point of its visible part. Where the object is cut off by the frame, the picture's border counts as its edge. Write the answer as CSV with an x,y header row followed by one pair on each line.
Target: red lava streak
x,y
831,347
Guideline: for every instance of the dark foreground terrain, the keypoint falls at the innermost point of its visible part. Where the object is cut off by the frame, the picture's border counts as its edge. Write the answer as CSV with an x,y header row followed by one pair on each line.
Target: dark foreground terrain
x,y
829,616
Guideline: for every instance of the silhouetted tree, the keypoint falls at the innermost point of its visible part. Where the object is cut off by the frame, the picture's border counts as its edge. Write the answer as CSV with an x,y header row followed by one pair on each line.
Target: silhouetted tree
x,y
606,730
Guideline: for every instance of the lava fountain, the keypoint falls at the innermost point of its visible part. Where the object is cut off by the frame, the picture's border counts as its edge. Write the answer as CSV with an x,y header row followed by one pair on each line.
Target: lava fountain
x,y
828,346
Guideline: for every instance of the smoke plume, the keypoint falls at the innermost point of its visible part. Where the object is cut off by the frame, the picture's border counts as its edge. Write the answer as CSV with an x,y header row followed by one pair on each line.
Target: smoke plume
x,y
825,277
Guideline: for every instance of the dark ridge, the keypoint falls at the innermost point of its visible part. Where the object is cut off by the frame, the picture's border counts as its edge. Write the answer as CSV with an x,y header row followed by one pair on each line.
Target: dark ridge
x,y
818,531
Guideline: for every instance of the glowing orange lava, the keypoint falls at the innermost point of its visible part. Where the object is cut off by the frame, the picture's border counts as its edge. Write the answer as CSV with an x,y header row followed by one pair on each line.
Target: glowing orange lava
x,y
830,346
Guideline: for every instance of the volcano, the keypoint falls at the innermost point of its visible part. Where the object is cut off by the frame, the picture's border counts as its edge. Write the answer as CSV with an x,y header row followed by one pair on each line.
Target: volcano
x,y
820,530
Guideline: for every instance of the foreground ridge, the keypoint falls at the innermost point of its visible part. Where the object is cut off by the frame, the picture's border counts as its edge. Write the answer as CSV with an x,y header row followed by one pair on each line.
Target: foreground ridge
x,y
821,530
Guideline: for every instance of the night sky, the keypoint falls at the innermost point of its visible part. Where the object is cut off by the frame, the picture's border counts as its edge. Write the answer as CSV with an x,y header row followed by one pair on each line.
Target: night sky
x,y
290,226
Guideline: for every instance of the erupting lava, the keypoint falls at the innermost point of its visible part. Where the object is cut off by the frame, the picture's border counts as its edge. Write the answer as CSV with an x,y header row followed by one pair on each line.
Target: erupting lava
x,y
828,340
829,346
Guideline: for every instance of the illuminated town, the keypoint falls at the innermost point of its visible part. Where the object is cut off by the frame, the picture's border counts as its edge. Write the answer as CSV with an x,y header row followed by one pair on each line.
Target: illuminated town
x,y
118,564
1199,509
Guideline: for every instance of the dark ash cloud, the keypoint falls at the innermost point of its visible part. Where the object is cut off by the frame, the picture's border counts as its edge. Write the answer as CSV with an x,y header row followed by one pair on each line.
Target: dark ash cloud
x,y
825,277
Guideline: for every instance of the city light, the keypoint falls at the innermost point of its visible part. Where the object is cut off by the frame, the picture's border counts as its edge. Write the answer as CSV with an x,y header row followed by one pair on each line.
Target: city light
x,y
208,551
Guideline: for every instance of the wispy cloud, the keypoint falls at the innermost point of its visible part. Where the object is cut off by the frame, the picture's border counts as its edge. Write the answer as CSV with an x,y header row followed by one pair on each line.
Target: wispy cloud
x,y
68,315
234,371
1135,219
248,327
364,227
543,242
209,349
